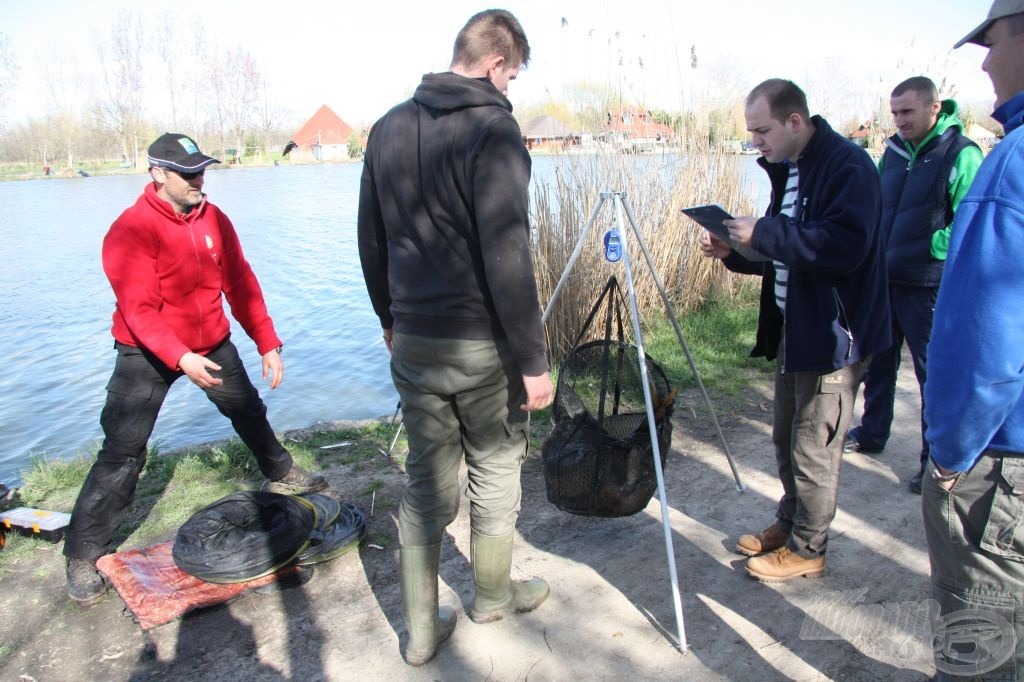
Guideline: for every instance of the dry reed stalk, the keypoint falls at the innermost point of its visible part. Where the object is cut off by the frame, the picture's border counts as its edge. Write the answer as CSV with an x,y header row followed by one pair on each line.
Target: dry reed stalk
x,y
656,187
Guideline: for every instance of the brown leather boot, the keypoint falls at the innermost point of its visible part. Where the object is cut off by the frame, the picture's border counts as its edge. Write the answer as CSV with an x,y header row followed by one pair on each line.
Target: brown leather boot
x,y
783,564
768,540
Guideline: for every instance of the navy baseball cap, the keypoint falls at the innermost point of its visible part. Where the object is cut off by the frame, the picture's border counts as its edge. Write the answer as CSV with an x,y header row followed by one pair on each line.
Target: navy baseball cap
x,y
178,152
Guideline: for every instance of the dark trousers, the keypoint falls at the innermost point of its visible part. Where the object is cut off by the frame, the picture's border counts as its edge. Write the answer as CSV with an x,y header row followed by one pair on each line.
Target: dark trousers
x,y
460,399
811,414
976,551
135,393
912,311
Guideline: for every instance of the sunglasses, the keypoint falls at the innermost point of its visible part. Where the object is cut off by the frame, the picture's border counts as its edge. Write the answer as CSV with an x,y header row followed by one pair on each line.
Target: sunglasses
x,y
186,176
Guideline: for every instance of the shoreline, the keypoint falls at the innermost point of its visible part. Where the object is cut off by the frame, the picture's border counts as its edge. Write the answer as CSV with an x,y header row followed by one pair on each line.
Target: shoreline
x,y
16,485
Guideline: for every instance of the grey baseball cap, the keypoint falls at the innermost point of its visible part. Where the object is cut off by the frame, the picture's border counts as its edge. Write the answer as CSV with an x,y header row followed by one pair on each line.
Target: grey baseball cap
x,y
1000,9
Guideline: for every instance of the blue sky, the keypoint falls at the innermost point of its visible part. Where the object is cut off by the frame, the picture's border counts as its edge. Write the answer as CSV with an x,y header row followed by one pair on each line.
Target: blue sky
x,y
360,58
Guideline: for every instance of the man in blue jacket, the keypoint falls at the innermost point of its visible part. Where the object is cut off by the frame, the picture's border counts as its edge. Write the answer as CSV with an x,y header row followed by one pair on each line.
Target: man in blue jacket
x,y
824,312
973,499
926,169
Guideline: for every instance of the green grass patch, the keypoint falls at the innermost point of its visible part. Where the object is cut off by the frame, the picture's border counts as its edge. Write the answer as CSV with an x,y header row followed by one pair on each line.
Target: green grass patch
x,y
719,335
54,484
372,487
19,547
379,539
172,486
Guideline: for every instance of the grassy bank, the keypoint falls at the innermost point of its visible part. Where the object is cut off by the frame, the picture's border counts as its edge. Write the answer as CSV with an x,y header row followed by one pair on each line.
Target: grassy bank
x,y
175,484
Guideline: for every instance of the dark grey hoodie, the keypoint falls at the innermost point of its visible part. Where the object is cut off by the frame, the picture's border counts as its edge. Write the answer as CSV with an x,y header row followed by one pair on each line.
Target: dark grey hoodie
x,y
444,236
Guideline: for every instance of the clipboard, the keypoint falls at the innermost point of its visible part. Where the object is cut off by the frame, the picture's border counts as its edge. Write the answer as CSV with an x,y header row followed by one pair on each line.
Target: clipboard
x,y
710,217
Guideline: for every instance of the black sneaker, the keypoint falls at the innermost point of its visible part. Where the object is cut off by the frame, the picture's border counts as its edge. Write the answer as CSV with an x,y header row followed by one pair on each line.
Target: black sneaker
x,y
296,482
915,482
85,584
856,442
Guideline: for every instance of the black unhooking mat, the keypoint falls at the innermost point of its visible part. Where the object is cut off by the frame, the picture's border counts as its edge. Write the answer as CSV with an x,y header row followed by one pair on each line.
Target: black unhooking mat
x,y
599,458
243,536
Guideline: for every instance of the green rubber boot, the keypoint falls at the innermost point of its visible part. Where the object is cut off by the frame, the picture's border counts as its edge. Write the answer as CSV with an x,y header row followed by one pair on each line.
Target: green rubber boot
x,y
496,594
427,624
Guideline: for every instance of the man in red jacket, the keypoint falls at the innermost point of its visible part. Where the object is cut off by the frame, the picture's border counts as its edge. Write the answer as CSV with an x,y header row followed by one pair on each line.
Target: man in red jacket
x,y
171,259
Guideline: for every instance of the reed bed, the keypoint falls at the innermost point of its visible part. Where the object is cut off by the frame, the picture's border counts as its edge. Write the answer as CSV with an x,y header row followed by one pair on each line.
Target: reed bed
x,y
655,187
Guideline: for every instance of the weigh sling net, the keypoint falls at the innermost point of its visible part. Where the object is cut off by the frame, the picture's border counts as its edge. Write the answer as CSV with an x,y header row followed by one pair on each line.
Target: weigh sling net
x,y
598,459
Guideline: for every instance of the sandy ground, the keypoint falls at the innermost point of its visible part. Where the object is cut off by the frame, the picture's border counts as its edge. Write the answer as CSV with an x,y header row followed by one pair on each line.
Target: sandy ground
x,y
610,614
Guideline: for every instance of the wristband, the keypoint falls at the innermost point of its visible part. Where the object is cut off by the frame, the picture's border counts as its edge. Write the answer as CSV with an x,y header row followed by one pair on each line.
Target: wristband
x,y
943,478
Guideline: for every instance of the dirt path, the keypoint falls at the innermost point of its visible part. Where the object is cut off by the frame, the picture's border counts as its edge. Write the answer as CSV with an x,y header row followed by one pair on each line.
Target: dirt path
x,y
610,615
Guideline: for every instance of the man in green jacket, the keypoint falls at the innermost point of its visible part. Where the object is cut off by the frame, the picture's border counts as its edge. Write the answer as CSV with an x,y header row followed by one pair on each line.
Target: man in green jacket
x,y
926,168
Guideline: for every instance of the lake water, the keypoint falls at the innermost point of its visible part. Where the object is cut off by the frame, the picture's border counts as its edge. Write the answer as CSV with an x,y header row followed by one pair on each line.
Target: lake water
x,y
297,226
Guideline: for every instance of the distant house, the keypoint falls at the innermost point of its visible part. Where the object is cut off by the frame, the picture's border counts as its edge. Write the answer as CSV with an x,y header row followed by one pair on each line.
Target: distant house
x,y
324,135
862,135
547,132
632,130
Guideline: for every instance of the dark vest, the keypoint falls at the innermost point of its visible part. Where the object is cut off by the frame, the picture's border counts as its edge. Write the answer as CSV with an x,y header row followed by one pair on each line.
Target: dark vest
x,y
915,204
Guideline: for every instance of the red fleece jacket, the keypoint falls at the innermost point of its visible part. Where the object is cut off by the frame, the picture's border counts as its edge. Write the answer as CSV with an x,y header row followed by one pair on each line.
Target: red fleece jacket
x,y
168,272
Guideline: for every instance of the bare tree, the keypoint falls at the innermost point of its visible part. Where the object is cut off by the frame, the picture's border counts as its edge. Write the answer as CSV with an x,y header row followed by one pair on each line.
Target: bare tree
x,y
169,42
8,73
235,85
268,116
591,104
215,99
119,107
244,90
60,79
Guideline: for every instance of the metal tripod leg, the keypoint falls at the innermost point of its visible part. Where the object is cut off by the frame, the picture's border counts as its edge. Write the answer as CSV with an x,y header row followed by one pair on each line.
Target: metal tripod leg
x,y
653,430
682,342
573,258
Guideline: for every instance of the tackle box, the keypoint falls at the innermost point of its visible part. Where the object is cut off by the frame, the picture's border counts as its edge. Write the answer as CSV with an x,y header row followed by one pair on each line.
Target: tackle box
x,y
37,523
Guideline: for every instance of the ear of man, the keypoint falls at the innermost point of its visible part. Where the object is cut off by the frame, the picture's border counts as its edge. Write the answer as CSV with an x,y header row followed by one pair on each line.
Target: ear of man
x,y
482,68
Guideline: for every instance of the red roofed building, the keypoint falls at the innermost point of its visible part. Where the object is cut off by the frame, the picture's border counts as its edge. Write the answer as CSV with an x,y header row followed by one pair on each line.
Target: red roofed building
x,y
862,135
325,135
632,130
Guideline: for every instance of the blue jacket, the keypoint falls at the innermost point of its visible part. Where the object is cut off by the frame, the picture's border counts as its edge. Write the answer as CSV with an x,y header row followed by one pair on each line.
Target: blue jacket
x,y
837,301
973,396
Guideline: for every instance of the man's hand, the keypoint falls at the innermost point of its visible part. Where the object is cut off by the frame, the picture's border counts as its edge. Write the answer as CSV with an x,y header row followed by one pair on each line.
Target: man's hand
x,y
741,230
273,366
389,340
195,367
943,471
713,247
539,392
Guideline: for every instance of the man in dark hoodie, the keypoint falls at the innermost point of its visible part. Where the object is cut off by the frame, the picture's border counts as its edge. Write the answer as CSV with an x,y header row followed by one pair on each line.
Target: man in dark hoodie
x,y
927,167
824,312
444,241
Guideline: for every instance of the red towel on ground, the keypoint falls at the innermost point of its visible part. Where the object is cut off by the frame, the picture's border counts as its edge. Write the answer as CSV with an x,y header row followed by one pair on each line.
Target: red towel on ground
x,y
157,591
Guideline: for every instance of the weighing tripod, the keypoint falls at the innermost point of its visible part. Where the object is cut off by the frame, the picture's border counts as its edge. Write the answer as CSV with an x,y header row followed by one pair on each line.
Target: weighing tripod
x,y
616,249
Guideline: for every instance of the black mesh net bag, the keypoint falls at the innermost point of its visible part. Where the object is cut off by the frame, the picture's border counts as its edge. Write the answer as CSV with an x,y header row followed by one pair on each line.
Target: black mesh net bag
x,y
339,535
244,536
599,458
